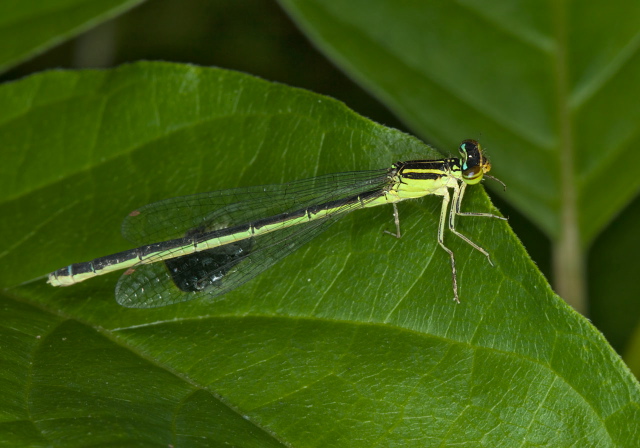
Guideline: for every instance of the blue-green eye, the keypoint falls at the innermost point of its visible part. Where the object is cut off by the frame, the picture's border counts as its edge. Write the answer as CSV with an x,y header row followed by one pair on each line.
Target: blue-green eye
x,y
469,147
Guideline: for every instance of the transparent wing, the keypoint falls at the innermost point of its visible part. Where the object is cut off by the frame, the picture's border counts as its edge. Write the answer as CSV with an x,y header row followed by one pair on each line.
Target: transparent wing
x,y
217,271
177,217
214,272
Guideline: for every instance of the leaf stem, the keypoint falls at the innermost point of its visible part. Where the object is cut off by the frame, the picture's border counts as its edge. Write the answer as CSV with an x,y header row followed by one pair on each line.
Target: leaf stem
x,y
568,264
568,255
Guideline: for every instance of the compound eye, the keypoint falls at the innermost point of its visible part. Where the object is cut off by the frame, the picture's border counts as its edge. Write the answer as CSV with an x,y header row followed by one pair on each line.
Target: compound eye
x,y
468,147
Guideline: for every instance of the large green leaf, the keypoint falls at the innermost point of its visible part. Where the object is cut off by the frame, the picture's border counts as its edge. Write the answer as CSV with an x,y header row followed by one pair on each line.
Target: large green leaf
x,y
28,27
351,341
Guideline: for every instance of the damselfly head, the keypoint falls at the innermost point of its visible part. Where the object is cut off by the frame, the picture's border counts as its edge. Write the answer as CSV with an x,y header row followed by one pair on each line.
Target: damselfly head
x,y
474,163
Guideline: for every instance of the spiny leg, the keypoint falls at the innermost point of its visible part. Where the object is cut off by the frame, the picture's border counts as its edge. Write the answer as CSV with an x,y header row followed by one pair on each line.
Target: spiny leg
x,y
443,218
458,194
458,205
396,218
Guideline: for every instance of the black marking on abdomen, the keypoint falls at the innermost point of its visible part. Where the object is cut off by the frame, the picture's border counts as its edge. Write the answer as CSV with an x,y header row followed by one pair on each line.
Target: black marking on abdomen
x,y
277,219
103,262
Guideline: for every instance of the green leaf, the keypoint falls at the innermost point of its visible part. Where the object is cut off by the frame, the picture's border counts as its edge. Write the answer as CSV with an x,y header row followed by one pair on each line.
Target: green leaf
x,y
632,355
351,341
551,88
29,27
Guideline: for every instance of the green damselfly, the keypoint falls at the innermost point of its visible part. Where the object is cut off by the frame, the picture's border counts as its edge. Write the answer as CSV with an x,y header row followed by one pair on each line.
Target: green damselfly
x,y
209,244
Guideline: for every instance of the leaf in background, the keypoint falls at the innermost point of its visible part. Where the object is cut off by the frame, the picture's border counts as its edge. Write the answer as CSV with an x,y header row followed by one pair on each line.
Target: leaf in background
x,y
351,341
33,26
551,87
632,355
